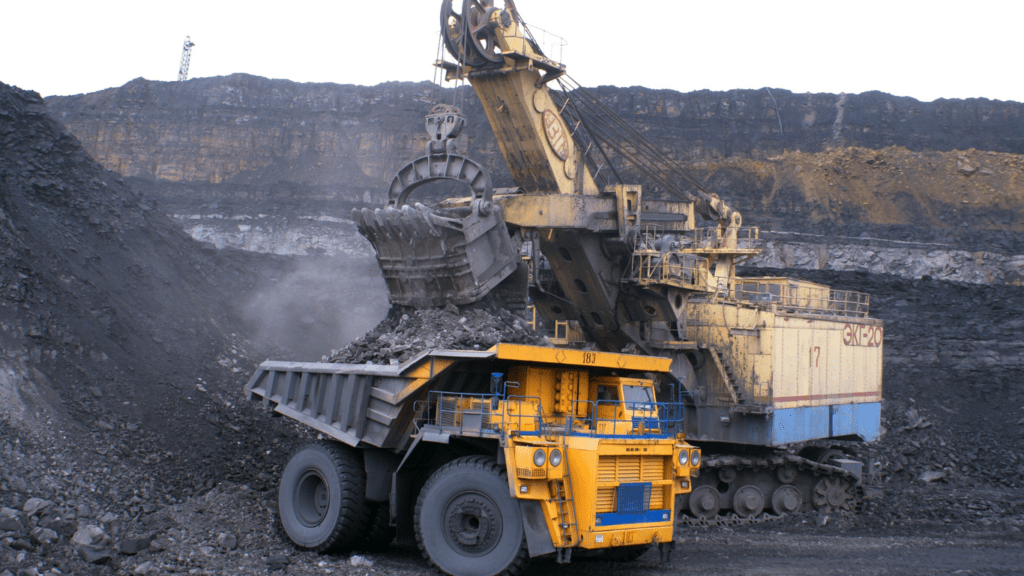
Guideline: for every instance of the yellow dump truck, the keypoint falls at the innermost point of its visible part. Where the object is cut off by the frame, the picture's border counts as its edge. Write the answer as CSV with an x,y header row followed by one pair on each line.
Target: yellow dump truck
x,y
483,459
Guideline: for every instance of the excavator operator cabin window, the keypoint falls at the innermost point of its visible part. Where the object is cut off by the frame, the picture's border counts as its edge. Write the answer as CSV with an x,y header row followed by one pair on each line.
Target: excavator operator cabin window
x,y
607,393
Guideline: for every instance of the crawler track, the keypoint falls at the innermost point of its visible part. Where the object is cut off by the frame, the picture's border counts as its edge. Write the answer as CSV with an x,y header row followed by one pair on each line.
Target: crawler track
x,y
737,490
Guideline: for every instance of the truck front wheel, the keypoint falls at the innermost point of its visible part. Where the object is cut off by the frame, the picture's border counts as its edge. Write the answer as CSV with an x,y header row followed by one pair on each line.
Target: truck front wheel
x,y
322,497
467,524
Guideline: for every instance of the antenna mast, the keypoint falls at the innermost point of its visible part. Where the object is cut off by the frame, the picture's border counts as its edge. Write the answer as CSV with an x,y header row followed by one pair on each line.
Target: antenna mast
x,y
186,57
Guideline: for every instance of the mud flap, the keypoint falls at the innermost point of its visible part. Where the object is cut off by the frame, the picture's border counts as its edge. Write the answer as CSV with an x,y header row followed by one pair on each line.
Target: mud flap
x,y
380,466
429,259
538,537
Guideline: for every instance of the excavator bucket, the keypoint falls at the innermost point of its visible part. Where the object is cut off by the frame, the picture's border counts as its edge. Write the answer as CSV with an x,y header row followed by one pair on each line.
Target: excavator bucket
x,y
431,259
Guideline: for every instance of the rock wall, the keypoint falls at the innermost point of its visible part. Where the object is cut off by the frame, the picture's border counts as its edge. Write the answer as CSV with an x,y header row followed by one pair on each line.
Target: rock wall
x,y
292,160
759,123
904,260
243,128
253,131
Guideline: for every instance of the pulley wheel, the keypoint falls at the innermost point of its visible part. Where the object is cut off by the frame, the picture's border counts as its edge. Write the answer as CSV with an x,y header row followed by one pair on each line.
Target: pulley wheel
x,y
748,501
455,34
468,32
481,30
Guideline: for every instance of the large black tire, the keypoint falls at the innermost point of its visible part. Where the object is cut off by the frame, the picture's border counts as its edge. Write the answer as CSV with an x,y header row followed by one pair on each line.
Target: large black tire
x,y
322,498
467,524
380,533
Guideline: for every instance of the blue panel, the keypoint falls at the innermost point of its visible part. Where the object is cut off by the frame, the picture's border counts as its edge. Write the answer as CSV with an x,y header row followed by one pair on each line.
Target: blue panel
x,y
799,424
634,497
856,419
614,518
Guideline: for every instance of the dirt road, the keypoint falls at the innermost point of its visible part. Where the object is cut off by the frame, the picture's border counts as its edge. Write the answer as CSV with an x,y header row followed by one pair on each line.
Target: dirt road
x,y
765,550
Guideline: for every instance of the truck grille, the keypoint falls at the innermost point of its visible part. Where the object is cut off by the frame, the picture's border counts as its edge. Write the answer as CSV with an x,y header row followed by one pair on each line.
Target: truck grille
x,y
619,469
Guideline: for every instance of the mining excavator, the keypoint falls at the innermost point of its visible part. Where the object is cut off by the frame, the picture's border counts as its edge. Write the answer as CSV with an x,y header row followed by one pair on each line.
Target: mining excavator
x,y
679,392
764,362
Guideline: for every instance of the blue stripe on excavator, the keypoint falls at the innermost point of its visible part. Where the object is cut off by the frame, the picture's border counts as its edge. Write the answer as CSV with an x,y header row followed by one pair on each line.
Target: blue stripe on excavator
x,y
801,424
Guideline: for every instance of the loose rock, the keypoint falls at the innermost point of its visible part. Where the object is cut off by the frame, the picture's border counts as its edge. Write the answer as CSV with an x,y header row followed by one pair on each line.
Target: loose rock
x,y
277,562
36,506
227,541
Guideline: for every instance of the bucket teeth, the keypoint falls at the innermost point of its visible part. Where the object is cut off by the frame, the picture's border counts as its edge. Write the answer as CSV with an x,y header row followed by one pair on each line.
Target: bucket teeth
x,y
381,218
420,222
428,219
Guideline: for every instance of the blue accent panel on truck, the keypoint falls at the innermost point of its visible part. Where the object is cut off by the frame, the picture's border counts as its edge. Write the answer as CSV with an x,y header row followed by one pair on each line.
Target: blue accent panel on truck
x,y
634,497
856,419
799,424
615,518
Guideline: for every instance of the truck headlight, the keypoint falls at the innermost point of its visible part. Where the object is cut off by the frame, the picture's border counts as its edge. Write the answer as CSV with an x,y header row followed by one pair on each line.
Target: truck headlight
x,y
539,457
682,457
695,458
556,457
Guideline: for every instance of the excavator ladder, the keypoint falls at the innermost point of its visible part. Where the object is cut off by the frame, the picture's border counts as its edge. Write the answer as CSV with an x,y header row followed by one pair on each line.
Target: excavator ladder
x,y
726,372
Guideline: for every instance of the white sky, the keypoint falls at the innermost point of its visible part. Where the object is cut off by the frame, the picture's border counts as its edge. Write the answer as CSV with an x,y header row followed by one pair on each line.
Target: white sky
x,y
923,49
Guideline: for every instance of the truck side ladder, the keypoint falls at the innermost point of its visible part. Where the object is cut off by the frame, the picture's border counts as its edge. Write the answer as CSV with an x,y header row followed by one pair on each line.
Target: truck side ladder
x,y
567,521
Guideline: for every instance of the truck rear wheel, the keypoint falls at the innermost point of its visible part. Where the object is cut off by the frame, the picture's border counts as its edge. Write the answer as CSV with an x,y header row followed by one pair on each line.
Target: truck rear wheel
x,y
467,524
322,497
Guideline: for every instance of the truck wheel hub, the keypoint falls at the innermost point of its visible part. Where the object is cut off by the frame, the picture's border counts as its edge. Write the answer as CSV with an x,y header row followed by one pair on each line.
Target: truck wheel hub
x,y
312,499
472,524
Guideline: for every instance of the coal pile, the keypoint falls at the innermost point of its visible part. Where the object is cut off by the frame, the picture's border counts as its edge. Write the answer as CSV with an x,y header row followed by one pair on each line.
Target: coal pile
x,y
122,355
71,525
408,331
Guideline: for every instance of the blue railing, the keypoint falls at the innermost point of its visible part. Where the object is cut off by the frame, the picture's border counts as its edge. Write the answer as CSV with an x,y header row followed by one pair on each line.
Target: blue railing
x,y
479,415
463,413
614,418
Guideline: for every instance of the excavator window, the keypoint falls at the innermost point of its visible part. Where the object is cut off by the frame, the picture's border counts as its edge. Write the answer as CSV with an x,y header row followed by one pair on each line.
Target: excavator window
x,y
607,393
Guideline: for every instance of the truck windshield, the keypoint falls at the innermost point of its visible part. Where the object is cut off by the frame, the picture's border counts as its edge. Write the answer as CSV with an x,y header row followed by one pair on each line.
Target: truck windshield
x,y
637,394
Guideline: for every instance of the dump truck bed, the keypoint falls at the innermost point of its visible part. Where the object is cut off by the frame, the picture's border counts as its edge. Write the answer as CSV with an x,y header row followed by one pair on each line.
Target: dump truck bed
x,y
376,404
353,403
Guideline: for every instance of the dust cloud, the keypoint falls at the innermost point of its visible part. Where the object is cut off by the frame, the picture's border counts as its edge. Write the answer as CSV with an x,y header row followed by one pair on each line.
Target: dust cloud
x,y
321,304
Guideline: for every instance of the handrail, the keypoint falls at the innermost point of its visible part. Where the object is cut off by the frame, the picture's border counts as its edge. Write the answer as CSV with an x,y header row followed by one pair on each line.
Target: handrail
x,y
793,296
478,415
